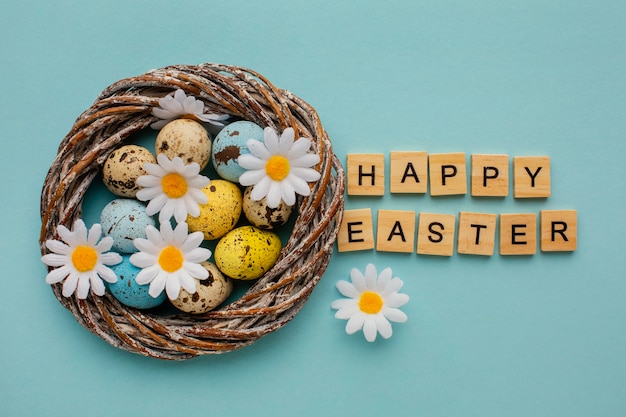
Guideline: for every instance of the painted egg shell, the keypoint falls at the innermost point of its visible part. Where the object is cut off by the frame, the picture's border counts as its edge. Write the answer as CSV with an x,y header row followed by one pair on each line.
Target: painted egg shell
x,y
185,138
221,213
260,215
125,220
210,292
122,168
127,291
247,252
229,143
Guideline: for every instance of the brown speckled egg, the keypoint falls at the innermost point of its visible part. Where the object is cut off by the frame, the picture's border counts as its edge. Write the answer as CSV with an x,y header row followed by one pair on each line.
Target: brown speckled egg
x,y
221,213
210,292
122,168
261,216
247,252
185,138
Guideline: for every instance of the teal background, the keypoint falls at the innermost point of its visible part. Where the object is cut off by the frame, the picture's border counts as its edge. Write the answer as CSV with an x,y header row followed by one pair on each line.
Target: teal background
x,y
540,335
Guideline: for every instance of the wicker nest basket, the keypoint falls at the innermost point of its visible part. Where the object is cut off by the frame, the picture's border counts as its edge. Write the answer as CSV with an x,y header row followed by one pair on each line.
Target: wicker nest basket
x,y
125,108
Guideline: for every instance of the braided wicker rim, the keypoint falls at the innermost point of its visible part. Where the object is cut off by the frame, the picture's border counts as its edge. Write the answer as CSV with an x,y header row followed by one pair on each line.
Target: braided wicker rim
x,y
125,108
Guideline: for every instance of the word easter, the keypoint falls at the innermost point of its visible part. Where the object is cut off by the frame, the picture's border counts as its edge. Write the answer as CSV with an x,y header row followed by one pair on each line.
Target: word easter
x,y
413,172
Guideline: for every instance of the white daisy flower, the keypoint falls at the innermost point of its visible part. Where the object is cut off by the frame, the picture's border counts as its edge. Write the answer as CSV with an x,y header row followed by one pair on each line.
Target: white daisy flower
x,y
279,167
372,302
170,259
173,189
80,260
177,104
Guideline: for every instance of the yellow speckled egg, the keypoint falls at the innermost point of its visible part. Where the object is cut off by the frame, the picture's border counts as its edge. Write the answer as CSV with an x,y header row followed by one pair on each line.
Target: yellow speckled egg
x,y
185,138
122,168
247,252
210,292
221,213
260,215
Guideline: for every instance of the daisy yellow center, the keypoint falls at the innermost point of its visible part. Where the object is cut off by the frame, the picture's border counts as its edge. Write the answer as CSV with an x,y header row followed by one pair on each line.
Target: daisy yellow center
x,y
277,167
370,302
174,185
171,259
84,258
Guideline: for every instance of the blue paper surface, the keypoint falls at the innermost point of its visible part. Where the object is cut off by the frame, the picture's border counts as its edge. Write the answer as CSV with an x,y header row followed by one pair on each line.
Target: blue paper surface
x,y
540,335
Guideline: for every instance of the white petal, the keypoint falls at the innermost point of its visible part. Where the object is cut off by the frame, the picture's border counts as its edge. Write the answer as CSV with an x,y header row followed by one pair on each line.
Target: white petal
x,y
180,211
383,279
198,255
347,289
80,231
97,285
369,328
172,286
156,170
107,274
191,241
160,124
195,270
188,283
94,234
83,287
104,245
273,194
358,280
355,323
149,181
54,259
156,204
65,234
396,300
257,149
287,193
383,326
58,247
298,185
198,181
167,211
347,312
395,315
393,286
252,177
57,275
154,236
142,260
370,276
69,285
179,234
110,258
343,303
261,189
305,161
271,140
249,162
189,105
299,148
163,114
286,141
307,174
157,285
148,275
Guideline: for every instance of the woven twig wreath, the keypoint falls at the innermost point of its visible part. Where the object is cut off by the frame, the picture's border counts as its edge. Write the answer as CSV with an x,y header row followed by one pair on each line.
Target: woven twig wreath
x,y
125,108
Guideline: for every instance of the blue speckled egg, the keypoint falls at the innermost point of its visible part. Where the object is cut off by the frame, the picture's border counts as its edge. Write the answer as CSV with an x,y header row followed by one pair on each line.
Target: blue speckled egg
x,y
229,144
125,220
127,291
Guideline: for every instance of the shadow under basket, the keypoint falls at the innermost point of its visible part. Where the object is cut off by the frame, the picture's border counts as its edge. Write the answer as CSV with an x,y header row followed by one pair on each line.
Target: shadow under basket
x,y
274,299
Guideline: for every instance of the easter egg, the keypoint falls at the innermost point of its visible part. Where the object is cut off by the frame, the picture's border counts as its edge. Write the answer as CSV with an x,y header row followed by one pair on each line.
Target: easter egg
x,y
122,168
247,252
229,143
221,213
210,292
127,291
125,220
187,139
261,215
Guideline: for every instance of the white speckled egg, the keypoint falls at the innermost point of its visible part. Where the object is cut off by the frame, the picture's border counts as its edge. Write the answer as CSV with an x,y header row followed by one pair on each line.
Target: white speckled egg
x,y
221,213
125,220
247,252
127,291
260,215
210,292
187,139
229,143
122,168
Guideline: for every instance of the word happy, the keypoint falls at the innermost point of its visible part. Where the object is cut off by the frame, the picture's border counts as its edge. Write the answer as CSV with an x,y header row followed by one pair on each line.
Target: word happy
x,y
471,233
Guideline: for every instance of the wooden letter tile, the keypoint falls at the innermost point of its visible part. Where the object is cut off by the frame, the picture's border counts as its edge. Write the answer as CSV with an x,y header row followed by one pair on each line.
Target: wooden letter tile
x,y
518,234
366,174
408,172
531,176
396,231
447,174
490,175
558,230
356,231
435,234
477,232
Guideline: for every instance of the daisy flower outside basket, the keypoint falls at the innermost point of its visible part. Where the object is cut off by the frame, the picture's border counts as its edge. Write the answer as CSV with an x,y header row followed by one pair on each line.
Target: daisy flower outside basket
x,y
125,108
